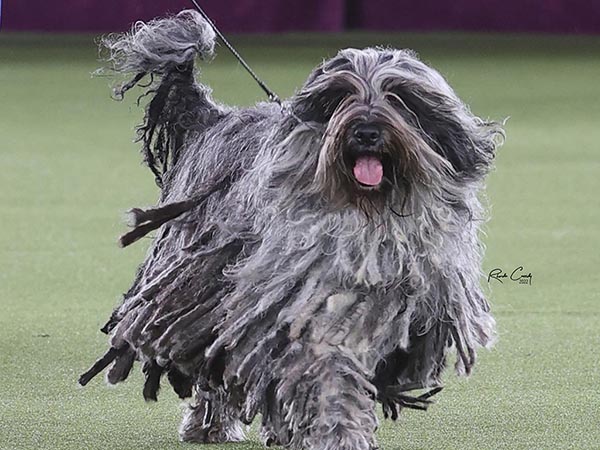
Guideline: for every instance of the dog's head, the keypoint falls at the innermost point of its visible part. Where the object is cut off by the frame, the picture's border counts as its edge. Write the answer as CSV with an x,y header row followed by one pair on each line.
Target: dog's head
x,y
390,121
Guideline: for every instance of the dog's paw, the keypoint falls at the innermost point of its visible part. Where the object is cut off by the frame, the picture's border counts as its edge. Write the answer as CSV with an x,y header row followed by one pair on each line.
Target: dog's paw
x,y
202,427
215,434
268,437
341,439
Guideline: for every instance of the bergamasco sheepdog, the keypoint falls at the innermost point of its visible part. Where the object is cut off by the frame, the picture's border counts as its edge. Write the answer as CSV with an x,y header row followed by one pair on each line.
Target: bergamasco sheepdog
x,y
312,258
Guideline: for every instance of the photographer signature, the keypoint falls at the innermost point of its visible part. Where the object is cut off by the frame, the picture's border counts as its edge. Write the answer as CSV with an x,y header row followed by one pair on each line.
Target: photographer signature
x,y
516,275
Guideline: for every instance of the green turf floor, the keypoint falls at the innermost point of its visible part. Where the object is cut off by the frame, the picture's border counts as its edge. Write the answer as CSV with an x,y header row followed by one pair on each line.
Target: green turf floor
x,y
69,169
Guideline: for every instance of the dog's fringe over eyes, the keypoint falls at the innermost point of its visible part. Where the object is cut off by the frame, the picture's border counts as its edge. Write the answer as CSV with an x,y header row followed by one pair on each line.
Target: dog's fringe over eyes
x,y
280,283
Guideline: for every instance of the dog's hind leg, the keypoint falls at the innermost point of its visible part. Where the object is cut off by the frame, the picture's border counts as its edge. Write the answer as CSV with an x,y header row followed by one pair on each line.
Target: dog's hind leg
x,y
210,419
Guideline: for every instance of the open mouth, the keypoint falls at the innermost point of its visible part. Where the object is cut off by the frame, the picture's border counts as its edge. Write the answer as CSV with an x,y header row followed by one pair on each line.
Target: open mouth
x,y
368,170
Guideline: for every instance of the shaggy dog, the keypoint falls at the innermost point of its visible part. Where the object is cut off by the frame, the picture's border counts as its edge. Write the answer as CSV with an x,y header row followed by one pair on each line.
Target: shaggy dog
x,y
312,258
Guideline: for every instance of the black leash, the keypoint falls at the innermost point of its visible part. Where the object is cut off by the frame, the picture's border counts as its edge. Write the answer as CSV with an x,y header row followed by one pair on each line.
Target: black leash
x,y
272,96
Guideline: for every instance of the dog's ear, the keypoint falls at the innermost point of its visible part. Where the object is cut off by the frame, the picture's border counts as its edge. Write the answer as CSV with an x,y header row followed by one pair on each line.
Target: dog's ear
x,y
425,99
322,92
467,142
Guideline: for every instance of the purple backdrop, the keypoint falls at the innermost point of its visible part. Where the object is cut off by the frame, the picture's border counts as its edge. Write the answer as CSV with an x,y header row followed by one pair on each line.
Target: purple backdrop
x,y
116,15
546,16
570,16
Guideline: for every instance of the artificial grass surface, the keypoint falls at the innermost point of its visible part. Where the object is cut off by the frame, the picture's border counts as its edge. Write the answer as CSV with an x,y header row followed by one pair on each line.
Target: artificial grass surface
x,y
68,170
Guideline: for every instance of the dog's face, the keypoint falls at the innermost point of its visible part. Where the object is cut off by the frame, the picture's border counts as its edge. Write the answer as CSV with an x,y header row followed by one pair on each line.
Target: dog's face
x,y
390,121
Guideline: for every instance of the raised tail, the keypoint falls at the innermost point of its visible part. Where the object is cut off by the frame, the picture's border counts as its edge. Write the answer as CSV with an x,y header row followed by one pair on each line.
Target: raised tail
x,y
165,50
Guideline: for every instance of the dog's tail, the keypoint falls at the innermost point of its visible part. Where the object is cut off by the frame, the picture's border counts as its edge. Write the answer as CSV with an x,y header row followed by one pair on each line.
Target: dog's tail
x,y
165,51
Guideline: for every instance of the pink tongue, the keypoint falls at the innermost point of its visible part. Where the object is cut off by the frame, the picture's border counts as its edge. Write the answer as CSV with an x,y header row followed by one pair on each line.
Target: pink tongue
x,y
368,170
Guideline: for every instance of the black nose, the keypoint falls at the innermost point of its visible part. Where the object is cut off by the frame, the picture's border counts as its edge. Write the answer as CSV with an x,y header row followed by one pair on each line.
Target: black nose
x,y
367,134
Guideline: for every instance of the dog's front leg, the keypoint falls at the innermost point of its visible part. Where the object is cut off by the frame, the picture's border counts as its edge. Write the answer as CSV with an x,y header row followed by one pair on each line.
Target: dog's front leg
x,y
331,405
